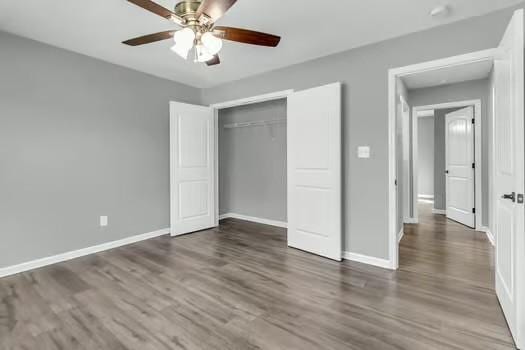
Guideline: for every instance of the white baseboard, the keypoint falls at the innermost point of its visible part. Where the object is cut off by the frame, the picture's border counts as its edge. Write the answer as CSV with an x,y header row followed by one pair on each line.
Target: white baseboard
x,y
50,260
254,219
489,234
365,259
426,196
411,221
400,235
439,211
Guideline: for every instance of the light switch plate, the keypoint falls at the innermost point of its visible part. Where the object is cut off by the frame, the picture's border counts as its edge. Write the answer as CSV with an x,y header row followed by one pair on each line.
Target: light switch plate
x,y
103,221
363,152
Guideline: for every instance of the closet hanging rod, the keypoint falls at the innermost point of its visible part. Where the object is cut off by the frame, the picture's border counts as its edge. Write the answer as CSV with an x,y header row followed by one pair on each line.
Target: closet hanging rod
x,y
256,123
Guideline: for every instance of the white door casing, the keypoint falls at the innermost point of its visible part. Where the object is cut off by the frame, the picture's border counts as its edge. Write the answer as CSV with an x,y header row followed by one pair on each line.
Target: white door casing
x,y
405,137
192,168
314,171
509,177
459,155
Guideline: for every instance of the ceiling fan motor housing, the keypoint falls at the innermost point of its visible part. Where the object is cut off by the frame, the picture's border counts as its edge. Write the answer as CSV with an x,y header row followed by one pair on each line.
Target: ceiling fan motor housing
x,y
187,8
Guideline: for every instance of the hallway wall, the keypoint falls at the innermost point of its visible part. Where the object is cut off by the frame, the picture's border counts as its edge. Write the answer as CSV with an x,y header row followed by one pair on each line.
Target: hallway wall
x,y
426,157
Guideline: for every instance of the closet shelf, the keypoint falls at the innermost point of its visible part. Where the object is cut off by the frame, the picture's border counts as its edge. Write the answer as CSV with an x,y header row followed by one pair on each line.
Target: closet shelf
x,y
256,123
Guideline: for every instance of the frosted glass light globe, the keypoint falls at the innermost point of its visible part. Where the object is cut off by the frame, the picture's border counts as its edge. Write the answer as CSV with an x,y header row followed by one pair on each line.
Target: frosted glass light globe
x,y
212,43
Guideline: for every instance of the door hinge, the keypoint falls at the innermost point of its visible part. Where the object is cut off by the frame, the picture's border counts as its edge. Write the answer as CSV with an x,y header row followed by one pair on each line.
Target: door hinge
x,y
473,210
395,182
473,121
473,165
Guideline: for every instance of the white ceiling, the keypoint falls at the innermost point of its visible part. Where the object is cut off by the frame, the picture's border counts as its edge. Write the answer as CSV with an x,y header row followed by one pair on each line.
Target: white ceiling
x,y
97,27
449,75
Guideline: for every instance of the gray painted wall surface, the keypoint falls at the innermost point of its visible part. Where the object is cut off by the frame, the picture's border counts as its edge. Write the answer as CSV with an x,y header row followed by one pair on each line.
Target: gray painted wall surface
x,y
425,156
472,90
363,72
252,162
79,138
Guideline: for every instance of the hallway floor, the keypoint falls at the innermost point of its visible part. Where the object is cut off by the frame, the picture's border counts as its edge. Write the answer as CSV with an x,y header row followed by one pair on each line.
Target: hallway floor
x,y
458,259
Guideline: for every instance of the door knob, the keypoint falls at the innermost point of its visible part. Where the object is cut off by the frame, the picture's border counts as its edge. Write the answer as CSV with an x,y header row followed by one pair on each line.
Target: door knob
x,y
511,196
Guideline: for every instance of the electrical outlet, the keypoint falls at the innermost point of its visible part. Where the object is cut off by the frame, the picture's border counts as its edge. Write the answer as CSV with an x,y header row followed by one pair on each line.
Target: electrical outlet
x,y
363,152
103,221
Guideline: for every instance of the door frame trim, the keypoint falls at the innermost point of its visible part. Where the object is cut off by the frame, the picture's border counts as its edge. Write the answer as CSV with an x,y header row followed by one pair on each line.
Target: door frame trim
x,y
277,95
478,159
400,72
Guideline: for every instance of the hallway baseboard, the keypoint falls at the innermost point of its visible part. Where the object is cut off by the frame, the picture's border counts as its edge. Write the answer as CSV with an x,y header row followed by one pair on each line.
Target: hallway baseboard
x,y
489,234
439,211
400,235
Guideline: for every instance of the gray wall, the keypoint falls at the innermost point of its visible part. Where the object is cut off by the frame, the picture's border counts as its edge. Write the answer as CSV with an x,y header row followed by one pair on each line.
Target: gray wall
x,y
363,72
79,138
252,162
425,163
472,90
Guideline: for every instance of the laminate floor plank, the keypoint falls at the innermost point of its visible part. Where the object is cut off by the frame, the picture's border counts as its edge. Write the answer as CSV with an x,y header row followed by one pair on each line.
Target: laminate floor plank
x,y
239,286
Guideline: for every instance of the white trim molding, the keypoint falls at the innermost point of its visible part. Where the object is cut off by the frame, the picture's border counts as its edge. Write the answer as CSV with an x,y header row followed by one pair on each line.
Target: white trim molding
x,y
411,221
253,99
369,260
50,260
425,196
439,211
490,235
400,235
254,219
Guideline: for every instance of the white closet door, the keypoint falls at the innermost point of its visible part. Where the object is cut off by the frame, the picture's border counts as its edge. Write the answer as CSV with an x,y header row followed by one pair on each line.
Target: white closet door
x,y
314,171
509,178
192,168
459,141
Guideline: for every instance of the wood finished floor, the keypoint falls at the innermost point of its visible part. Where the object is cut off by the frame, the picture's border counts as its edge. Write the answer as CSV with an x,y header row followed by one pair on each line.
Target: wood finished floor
x,y
240,287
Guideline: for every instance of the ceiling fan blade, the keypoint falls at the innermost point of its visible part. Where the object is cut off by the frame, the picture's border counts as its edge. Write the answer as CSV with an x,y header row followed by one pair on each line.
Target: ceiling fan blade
x,y
157,9
214,9
246,36
150,38
214,61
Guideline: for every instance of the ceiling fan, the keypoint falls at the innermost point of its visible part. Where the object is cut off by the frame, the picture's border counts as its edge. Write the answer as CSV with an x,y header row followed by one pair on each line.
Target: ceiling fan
x,y
197,19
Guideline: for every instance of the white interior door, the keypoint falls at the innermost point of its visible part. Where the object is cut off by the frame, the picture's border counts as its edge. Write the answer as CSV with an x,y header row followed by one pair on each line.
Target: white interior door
x,y
460,190
509,178
192,168
314,171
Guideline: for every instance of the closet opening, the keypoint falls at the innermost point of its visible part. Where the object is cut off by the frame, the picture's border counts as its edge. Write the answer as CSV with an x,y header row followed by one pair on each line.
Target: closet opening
x,y
251,153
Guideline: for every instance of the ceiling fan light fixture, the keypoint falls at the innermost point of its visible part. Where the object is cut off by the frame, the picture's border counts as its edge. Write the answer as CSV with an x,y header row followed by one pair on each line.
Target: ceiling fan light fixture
x,y
184,38
211,42
181,51
202,54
